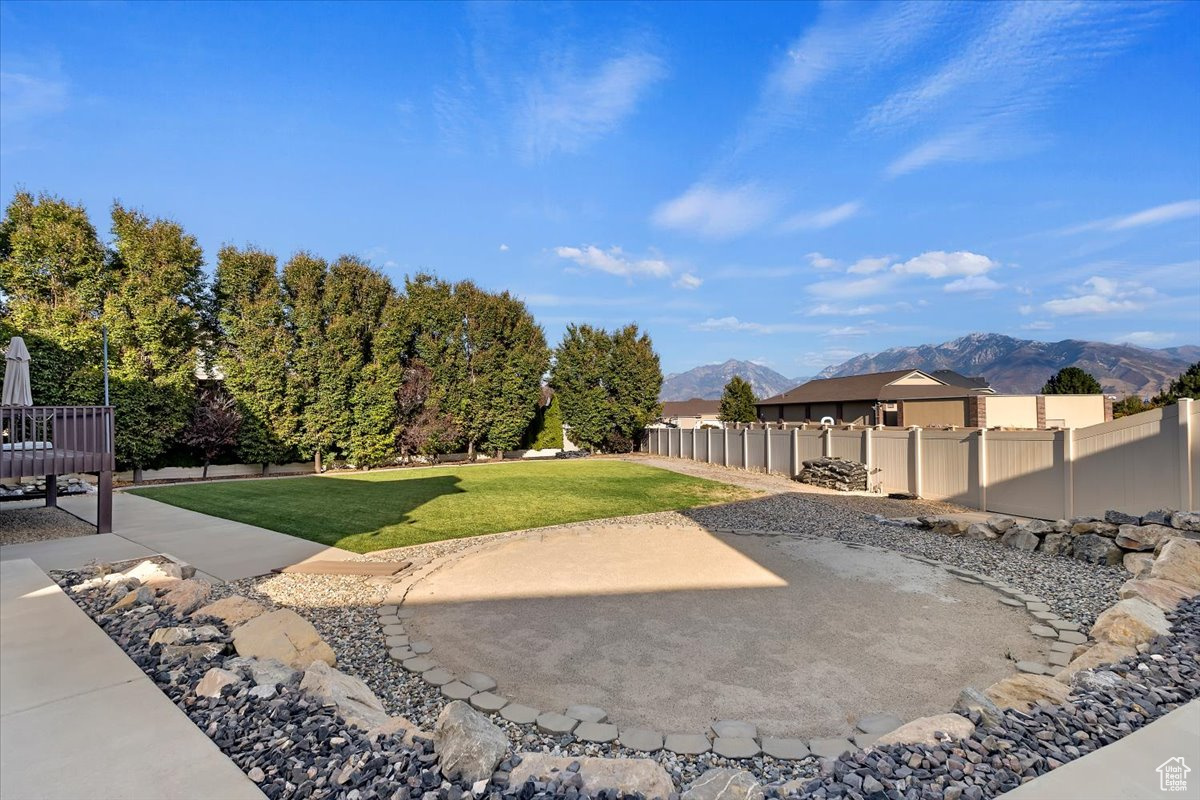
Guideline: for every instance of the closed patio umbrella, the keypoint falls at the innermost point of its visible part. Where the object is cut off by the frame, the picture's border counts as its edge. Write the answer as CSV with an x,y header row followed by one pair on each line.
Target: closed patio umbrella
x,y
16,375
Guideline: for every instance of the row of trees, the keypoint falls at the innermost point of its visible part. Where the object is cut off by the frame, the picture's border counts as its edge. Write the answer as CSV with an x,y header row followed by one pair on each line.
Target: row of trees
x,y
306,359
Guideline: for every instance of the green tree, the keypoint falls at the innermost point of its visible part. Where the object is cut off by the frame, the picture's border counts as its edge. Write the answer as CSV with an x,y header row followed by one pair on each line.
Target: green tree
x,y
154,313
1131,404
737,402
303,309
1072,380
634,383
375,434
1186,385
253,349
53,277
546,430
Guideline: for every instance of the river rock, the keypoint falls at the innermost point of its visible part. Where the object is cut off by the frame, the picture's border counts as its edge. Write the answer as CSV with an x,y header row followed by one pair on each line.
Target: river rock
x,y
1130,622
924,730
1142,537
1164,594
1179,561
232,610
1022,691
285,636
626,775
725,784
354,699
469,745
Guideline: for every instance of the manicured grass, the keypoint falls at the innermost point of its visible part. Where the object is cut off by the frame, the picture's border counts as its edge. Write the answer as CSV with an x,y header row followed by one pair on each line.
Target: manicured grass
x,y
377,510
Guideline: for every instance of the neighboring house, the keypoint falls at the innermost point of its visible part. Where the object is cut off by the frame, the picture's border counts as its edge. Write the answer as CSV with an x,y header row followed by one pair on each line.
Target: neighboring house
x,y
694,413
912,397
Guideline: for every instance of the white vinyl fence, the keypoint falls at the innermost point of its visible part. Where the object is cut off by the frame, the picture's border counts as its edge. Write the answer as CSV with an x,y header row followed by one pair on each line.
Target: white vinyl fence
x,y
1134,464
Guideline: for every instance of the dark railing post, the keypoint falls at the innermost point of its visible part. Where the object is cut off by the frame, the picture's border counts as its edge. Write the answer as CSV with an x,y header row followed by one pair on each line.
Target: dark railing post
x,y
51,491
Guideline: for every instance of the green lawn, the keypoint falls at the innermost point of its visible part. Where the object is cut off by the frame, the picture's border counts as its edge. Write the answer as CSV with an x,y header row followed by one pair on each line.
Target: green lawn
x,y
377,510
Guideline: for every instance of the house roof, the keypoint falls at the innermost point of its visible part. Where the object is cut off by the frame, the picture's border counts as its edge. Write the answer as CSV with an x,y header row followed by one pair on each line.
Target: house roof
x,y
958,379
695,407
832,390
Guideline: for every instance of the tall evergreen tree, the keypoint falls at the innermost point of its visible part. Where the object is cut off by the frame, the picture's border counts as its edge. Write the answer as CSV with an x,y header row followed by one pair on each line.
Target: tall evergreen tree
x,y
374,438
737,402
578,378
303,308
1072,380
253,349
634,383
154,313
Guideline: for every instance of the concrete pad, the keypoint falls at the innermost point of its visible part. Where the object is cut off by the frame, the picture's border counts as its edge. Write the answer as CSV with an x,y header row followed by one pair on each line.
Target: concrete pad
x,y
830,748
1127,769
641,739
791,749
598,732
488,702
585,713
734,728
520,714
671,628
457,690
687,744
735,747
66,688
556,724
75,551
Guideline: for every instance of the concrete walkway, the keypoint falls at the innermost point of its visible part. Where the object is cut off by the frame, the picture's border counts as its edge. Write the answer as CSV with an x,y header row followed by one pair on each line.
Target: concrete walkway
x,y
81,720
1127,769
221,548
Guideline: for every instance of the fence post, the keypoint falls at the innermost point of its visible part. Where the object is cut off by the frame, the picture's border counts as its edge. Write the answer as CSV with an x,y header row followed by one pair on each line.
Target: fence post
x,y
795,454
914,461
868,455
1068,457
981,469
767,455
827,443
745,432
694,458
1186,438
725,449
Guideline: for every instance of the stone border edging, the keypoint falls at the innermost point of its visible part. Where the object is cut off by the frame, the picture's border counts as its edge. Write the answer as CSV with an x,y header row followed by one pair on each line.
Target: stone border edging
x,y
727,738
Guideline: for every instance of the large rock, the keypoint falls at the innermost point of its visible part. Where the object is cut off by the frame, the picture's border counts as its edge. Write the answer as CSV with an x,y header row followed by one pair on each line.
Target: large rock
x,y
1096,549
269,672
1159,517
1164,594
186,596
1022,691
1001,524
139,596
924,730
1138,563
950,526
172,636
151,573
626,775
285,636
981,532
971,699
1038,527
1186,520
725,784
1121,518
1130,623
469,746
1019,539
1142,537
1094,527
1178,561
354,699
1095,656
232,610
1057,544
214,681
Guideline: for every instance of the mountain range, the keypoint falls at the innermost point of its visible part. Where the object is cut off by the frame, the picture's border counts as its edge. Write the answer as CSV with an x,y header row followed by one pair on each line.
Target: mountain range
x,y
1011,365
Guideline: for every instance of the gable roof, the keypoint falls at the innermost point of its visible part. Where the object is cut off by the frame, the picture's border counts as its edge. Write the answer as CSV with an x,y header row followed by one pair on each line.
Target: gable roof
x,y
852,387
695,407
958,379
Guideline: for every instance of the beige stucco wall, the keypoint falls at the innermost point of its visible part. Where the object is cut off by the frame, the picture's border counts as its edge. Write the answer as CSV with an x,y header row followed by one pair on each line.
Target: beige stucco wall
x,y
915,380
935,412
1014,411
1074,410
687,423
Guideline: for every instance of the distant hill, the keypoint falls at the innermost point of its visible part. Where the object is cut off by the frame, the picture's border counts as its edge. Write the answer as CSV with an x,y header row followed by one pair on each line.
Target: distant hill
x,y
1022,365
708,381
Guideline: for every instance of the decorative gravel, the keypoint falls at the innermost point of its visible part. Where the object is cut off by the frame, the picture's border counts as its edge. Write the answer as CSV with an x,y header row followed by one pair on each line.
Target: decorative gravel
x,y
21,525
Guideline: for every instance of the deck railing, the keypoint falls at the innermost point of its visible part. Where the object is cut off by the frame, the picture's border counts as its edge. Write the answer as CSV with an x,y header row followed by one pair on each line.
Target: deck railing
x,y
55,440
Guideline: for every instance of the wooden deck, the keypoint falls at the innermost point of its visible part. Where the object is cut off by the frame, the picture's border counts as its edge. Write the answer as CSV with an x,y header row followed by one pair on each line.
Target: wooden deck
x,y
48,441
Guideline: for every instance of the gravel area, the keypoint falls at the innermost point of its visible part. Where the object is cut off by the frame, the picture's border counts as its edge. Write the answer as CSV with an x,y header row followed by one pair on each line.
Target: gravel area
x,y
22,525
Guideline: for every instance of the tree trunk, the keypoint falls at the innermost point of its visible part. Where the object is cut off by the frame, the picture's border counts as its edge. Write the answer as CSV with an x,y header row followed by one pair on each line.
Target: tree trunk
x,y
317,462
137,474
471,450
265,465
204,472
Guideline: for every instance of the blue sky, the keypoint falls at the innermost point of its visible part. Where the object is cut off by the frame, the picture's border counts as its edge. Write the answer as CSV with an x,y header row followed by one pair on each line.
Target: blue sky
x,y
792,184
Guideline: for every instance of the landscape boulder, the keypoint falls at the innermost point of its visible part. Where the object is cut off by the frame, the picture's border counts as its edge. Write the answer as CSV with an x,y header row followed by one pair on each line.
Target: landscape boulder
x,y
1159,517
186,596
139,596
627,775
1023,691
1130,623
929,730
981,532
1097,655
174,635
1138,563
1057,544
232,610
271,672
971,699
725,784
1164,594
1001,524
1186,520
469,746
1094,527
1096,549
214,681
1179,561
950,526
285,636
1142,537
354,699
1121,518
1038,527
1019,539
152,573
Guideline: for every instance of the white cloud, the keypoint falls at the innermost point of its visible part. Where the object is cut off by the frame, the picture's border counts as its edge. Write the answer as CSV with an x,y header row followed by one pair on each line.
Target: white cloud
x,y
845,290
820,220
735,325
1100,295
831,310
1147,338
688,281
972,283
940,264
1168,212
614,261
1038,325
849,330
717,213
869,266
25,96
566,111
821,262
503,248
1025,310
